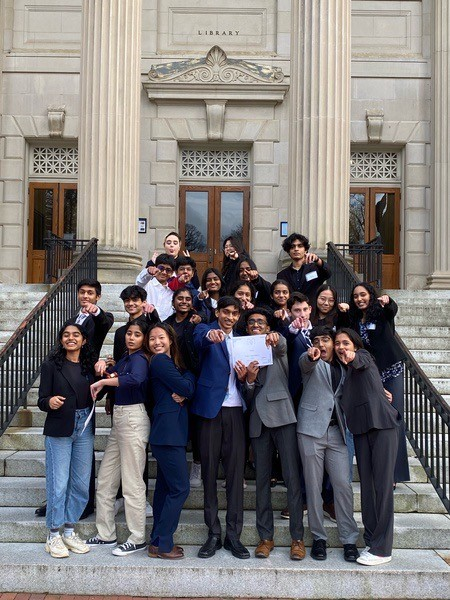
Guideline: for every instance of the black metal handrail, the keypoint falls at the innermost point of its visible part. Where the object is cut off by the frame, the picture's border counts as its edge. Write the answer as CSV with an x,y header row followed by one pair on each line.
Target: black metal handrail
x,y
59,255
427,415
22,355
367,260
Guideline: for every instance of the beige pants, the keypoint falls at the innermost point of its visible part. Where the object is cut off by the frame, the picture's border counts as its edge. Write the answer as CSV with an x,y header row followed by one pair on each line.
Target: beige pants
x,y
124,459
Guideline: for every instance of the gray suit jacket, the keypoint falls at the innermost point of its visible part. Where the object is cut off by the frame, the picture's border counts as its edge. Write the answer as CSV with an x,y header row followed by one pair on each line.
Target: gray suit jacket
x,y
269,400
318,399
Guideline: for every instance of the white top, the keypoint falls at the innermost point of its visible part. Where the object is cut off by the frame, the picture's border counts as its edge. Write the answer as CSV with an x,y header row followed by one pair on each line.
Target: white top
x,y
157,294
232,397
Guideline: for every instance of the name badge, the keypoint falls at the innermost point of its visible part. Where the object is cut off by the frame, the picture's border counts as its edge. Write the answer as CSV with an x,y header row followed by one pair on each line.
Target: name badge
x,y
371,326
310,276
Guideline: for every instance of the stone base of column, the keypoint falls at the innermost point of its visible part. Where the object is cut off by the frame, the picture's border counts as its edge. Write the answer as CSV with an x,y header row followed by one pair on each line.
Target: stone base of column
x,y
439,280
118,266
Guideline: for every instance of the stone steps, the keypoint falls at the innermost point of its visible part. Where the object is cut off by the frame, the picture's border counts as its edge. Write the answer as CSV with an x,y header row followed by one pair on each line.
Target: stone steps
x,y
411,530
412,574
22,492
31,463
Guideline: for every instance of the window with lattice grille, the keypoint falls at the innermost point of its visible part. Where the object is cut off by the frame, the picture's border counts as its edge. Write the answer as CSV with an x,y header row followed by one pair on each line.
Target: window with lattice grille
x,y
378,166
215,164
59,160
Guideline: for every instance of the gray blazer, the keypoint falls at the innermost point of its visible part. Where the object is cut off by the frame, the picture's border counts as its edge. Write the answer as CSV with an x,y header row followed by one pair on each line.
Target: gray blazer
x,y
269,400
318,399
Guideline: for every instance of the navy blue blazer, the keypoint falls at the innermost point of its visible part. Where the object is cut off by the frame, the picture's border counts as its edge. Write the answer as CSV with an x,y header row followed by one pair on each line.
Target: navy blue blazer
x,y
170,419
212,383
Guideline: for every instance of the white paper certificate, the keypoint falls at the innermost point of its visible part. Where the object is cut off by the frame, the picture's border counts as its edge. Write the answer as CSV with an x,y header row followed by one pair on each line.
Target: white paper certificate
x,y
251,347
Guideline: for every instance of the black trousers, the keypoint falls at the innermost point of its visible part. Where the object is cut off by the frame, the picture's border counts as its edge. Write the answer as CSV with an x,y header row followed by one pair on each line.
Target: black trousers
x,y
284,439
223,439
376,454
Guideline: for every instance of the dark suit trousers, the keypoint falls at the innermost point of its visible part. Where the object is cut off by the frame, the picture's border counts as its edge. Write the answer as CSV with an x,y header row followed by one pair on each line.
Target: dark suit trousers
x,y
223,438
283,438
376,453
171,491
395,385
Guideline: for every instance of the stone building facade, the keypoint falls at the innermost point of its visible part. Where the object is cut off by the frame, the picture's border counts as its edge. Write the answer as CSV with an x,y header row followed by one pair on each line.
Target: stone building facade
x,y
329,117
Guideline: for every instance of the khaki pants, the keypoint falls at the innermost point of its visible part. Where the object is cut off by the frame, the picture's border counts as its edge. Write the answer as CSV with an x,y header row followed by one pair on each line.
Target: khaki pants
x,y
124,459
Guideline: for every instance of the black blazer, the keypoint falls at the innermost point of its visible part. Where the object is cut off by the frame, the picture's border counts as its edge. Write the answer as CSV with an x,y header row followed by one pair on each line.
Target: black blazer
x,y
59,422
97,328
363,399
383,344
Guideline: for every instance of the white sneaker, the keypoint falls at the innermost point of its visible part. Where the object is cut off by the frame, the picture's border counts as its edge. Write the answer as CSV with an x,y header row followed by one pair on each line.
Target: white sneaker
x,y
56,547
195,478
148,509
74,543
119,505
366,558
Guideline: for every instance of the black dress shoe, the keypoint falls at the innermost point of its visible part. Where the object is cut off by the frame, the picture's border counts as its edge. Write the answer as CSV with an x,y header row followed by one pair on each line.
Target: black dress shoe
x,y
209,548
41,511
319,550
89,510
236,548
350,552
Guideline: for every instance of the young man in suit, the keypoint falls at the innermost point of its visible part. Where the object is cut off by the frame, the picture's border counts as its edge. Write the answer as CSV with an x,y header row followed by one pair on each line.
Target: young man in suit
x,y
96,323
272,425
307,271
219,406
321,434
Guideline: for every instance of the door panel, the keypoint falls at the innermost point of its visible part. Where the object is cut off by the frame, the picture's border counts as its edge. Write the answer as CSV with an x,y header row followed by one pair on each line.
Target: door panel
x,y
375,214
52,209
208,215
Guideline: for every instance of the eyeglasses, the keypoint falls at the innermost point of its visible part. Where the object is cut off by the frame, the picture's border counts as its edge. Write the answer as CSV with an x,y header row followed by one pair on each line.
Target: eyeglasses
x,y
257,322
326,300
165,269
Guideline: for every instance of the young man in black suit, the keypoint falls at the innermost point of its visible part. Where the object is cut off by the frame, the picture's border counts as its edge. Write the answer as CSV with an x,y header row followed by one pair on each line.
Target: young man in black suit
x,y
307,271
96,323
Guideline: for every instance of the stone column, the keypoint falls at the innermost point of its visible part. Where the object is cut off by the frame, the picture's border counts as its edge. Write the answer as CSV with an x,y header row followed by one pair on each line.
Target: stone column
x,y
108,195
440,93
319,169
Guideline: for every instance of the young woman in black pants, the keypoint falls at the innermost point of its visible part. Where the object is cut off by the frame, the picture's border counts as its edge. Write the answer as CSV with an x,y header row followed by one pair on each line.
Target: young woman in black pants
x,y
372,317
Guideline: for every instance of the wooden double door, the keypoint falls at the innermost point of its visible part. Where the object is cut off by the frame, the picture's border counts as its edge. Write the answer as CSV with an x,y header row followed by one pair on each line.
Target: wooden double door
x,y
52,209
209,215
375,215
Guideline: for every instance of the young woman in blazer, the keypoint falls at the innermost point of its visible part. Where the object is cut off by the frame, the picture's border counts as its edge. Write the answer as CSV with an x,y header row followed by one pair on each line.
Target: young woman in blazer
x,y
64,395
171,386
372,317
374,423
125,454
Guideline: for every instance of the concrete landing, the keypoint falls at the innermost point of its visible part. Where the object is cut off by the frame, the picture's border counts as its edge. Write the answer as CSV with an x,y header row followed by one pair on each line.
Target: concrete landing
x,y
412,574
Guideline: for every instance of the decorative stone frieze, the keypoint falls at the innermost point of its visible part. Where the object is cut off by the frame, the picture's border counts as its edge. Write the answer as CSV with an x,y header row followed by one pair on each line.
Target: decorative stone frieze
x,y
215,77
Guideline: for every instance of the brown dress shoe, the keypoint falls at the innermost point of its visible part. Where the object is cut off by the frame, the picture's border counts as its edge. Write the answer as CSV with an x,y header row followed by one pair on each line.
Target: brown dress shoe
x,y
153,550
298,551
176,553
264,548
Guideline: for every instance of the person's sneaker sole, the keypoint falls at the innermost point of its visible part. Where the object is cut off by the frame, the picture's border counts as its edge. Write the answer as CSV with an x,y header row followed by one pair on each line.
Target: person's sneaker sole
x,y
119,552
102,544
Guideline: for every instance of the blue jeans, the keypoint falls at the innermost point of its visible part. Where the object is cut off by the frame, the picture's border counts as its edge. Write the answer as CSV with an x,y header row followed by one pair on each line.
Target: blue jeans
x,y
68,470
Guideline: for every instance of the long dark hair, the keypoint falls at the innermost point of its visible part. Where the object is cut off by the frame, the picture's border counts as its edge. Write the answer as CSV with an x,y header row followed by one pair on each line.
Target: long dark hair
x,y
374,310
352,335
144,326
240,283
219,275
87,354
239,247
175,353
330,318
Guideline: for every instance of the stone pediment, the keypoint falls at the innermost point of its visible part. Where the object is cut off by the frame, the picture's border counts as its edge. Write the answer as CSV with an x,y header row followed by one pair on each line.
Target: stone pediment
x,y
216,67
215,77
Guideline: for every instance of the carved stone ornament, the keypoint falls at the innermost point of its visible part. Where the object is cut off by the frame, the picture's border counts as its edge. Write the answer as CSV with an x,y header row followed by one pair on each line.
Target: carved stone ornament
x,y
56,117
374,120
216,67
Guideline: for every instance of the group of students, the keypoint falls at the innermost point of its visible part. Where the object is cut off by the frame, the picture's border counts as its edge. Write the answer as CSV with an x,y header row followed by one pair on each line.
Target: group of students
x,y
334,388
